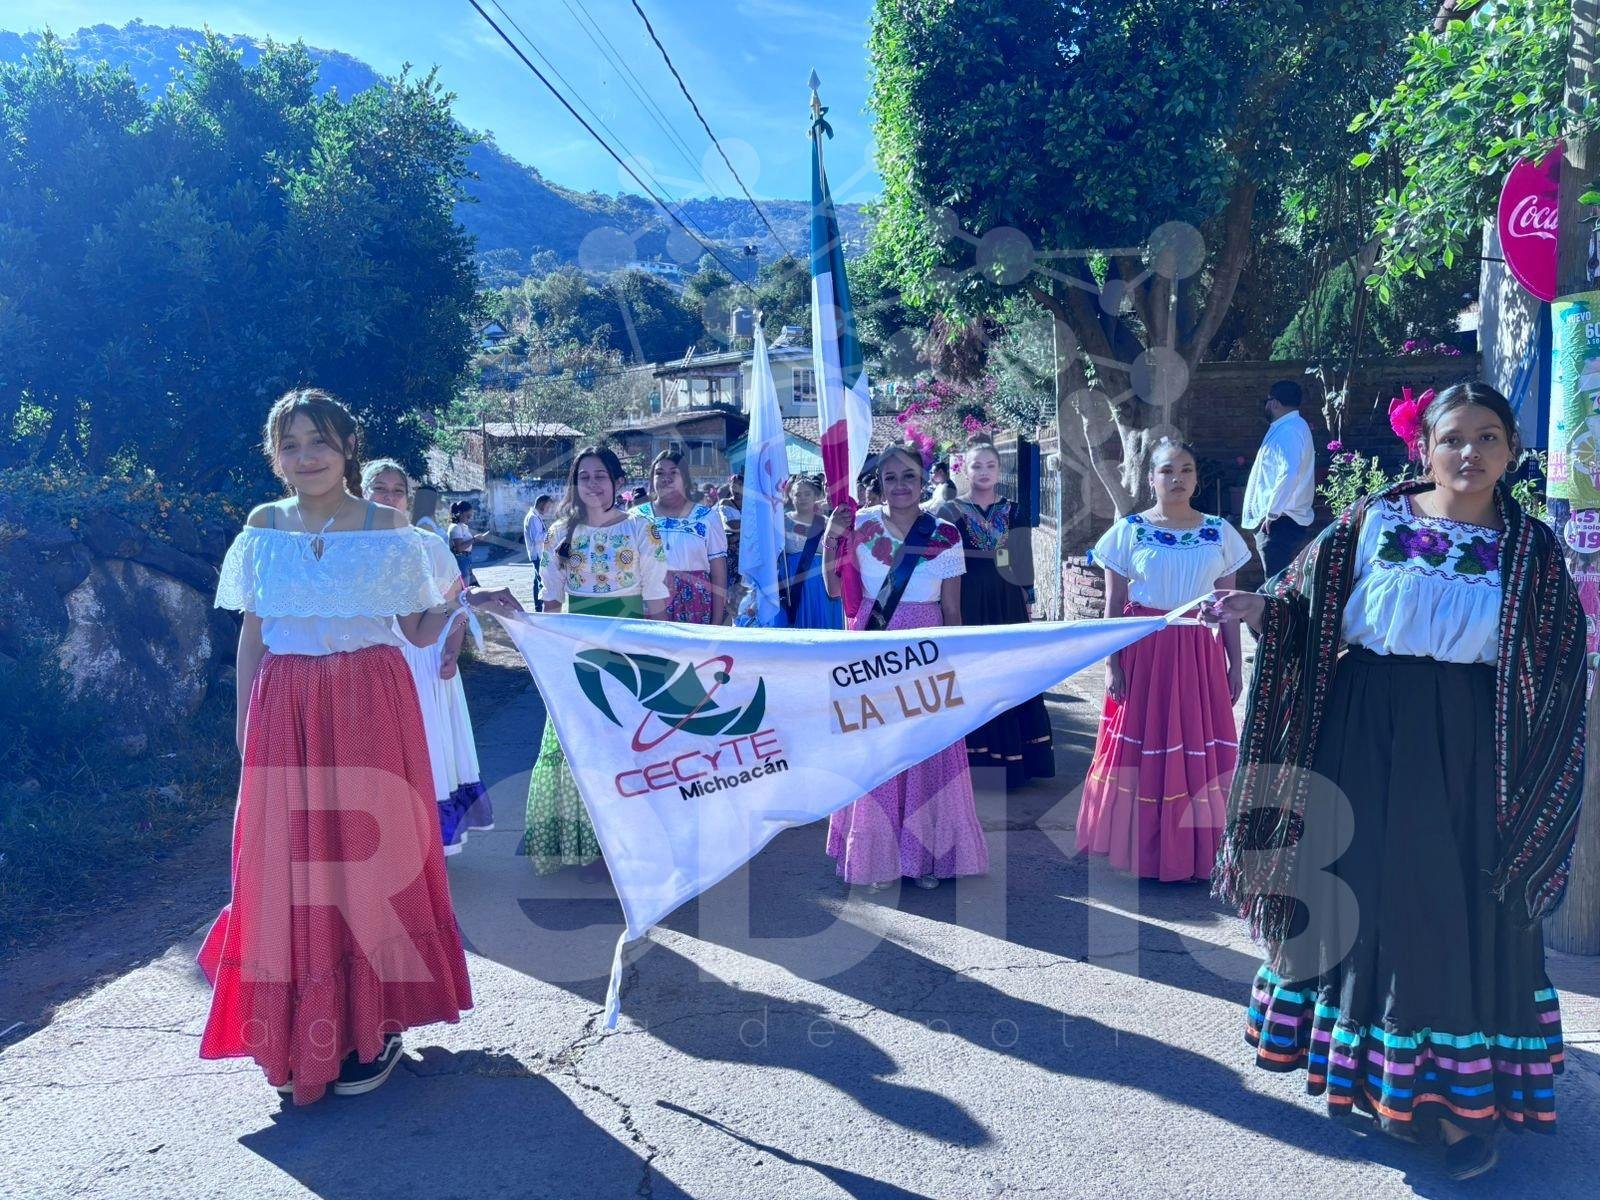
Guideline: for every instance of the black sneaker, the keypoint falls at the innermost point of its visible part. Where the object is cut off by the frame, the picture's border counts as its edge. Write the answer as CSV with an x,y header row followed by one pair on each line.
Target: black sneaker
x,y
1472,1156
357,1077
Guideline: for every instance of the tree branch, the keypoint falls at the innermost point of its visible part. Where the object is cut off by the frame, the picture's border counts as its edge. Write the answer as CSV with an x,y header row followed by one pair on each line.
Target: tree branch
x,y
1230,265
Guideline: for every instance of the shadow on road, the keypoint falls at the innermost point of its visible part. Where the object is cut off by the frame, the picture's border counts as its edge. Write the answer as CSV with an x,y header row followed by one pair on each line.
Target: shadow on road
x,y
517,1135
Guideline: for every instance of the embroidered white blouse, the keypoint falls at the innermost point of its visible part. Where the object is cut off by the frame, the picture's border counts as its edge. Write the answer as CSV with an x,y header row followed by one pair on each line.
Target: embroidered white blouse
x,y
692,541
345,600
876,545
1167,567
625,559
1425,586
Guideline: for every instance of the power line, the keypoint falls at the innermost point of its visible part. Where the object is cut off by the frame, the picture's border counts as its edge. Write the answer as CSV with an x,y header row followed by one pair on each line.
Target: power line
x,y
684,88
625,73
700,237
577,95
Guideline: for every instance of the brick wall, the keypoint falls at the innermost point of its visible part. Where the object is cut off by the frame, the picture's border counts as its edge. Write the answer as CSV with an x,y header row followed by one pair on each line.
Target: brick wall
x,y
1222,412
1083,589
1222,417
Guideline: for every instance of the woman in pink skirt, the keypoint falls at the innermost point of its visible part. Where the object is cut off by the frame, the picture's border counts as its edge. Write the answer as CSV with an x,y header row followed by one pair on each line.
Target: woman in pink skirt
x,y
923,823
1158,787
697,546
340,932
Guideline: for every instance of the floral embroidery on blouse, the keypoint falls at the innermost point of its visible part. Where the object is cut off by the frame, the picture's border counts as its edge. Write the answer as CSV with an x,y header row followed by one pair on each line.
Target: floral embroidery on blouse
x,y
695,523
881,543
1207,533
983,532
1437,546
605,558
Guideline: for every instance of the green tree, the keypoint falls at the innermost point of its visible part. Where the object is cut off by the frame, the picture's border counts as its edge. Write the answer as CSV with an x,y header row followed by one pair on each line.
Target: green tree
x,y
712,295
168,267
783,296
1473,99
632,313
1083,144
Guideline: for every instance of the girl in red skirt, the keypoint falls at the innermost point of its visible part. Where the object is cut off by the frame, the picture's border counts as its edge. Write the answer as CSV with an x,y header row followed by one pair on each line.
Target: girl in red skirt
x,y
340,933
1158,785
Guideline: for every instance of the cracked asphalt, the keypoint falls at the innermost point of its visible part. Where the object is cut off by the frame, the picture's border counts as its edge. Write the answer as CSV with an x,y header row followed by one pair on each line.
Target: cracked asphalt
x,y
1052,1029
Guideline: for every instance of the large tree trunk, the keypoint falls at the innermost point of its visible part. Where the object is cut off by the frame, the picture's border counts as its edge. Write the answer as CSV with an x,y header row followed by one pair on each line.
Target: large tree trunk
x,y
1139,373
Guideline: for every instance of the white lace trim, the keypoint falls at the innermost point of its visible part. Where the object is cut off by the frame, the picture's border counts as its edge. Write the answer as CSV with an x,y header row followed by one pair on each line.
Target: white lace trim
x,y
362,573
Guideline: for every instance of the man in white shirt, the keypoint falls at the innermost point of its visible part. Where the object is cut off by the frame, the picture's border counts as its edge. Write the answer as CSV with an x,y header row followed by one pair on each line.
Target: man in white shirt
x,y
1282,489
534,531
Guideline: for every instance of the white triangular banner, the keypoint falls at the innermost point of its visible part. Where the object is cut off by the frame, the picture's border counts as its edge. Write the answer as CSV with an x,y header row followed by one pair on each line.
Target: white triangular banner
x,y
694,746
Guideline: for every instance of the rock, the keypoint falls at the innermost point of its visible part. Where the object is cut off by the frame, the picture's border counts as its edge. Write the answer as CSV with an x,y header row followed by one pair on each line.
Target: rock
x,y
65,568
140,641
109,536
41,533
170,793
172,562
183,531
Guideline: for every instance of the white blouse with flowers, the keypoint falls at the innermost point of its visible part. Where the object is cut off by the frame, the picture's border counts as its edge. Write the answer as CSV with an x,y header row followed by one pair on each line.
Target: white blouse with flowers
x,y
876,545
1166,567
625,559
1425,586
692,540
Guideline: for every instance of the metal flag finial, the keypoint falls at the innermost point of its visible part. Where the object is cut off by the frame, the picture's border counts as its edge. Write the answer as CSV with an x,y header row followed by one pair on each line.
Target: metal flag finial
x,y
813,83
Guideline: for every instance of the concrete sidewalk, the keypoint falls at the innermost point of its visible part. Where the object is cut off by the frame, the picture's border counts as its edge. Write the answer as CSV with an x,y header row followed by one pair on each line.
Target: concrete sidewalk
x,y
1053,1029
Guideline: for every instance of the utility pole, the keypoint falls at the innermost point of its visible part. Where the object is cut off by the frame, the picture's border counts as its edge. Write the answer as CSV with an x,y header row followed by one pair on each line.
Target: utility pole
x,y
1575,928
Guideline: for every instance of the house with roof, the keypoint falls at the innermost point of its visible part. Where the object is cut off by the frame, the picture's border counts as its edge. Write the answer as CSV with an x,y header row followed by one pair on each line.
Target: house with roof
x,y
698,404
503,467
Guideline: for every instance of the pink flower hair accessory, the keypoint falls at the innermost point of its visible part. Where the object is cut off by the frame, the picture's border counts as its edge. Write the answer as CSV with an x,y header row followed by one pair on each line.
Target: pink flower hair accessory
x,y
1405,418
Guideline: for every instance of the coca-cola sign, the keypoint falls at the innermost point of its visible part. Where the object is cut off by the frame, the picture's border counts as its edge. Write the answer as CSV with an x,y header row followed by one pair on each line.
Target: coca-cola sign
x,y
1528,209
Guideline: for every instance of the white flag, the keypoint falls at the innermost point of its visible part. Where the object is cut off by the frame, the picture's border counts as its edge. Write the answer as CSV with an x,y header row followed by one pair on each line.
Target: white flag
x,y
693,746
766,466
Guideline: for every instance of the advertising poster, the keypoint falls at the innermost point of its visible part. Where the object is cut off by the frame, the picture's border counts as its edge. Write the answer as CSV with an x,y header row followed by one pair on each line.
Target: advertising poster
x,y
1574,473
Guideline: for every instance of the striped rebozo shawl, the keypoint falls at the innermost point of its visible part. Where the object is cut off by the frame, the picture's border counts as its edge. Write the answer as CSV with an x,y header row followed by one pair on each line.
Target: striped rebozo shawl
x,y
1539,719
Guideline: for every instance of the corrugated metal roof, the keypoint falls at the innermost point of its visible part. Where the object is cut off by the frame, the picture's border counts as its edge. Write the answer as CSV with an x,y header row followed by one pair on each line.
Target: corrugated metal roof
x,y
508,430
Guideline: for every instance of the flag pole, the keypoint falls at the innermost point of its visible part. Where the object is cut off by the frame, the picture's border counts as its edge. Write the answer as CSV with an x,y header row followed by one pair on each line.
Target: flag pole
x,y
844,416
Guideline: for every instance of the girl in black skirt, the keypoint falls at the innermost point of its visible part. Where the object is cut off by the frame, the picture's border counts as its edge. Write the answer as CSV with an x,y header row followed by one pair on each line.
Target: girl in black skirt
x,y
1409,778
994,591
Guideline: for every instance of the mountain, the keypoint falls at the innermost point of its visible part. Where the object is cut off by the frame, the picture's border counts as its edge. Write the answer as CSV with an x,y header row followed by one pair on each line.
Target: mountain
x,y
516,212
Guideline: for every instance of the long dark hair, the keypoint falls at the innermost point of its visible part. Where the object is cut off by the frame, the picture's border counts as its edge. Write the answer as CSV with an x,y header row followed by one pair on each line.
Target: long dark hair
x,y
333,422
677,459
570,515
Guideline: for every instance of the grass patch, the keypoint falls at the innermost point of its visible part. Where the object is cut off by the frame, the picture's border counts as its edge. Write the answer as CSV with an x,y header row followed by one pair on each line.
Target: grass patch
x,y
76,817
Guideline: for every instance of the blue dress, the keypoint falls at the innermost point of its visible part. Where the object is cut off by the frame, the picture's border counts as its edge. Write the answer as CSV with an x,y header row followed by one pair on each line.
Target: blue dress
x,y
806,593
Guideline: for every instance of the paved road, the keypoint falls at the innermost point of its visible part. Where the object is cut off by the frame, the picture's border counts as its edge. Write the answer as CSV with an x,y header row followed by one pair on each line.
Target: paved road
x,y
1050,1030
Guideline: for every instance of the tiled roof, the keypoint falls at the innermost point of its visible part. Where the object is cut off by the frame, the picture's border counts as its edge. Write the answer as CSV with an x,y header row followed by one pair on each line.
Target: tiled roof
x,y
885,431
679,417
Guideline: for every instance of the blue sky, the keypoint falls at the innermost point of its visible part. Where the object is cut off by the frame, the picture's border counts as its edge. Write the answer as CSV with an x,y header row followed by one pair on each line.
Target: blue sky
x,y
746,61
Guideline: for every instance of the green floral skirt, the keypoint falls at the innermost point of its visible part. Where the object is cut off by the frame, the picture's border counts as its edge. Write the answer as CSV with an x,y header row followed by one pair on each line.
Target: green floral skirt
x,y
559,833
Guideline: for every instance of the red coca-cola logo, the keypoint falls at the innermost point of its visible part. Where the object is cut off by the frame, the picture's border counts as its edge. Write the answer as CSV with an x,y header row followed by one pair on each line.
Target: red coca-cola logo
x,y
1528,223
